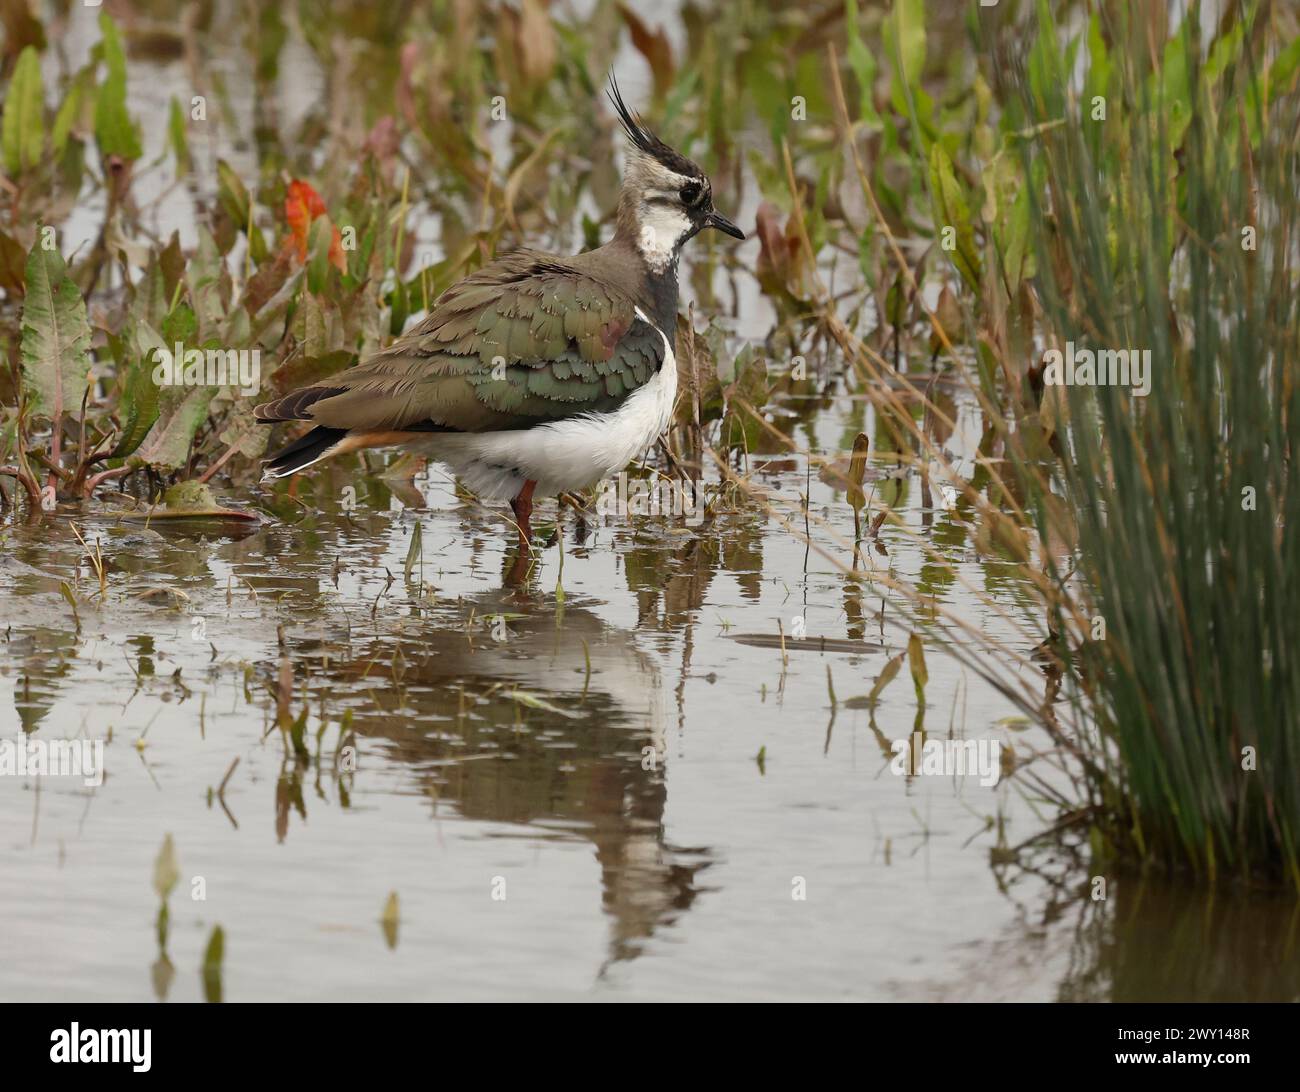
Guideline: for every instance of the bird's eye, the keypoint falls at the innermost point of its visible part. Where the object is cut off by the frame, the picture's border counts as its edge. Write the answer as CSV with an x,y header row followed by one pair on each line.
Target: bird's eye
x,y
690,193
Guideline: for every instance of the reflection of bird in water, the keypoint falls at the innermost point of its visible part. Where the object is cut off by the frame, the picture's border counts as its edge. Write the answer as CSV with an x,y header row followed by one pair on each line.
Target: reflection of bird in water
x,y
590,754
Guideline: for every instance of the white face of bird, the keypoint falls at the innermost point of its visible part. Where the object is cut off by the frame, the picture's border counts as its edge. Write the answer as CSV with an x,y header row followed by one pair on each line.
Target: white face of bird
x,y
661,204
670,207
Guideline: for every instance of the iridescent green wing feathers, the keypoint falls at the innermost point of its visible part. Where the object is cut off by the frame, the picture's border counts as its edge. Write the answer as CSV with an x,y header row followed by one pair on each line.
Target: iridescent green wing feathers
x,y
526,339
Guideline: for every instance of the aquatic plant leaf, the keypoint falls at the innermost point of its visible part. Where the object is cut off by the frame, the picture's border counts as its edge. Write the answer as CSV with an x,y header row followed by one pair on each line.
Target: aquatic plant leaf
x,y
885,677
320,248
857,474
864,67
213,956
115,132
523,697
806,644
177,137
13,262
232,194
167,444
905,46
70,109
138,407
916,663
391,919
952,211
203,279
415,552
56,336
904,31
187,500
22,133
162,973
166,870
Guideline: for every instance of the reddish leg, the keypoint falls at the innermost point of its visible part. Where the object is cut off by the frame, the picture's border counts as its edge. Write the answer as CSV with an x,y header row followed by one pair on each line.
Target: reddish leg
x,y
522,506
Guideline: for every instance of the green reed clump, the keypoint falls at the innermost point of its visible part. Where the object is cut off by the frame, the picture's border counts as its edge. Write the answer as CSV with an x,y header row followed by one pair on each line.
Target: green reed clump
x,y
1170,224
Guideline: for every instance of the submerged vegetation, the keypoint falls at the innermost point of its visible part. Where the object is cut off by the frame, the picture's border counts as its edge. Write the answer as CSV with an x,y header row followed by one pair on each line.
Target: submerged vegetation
x,y
944,195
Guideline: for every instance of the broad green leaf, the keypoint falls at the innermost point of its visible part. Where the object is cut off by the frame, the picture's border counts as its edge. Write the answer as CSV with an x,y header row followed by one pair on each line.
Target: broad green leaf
x,y
203,279
1047,73
23,136
1176,86
243,431
138,408
904,33
1284,67
115,132
1096,85
320,236
863,64
56,336
66,118
232,194
1006,215
1226,51
177,137
951,210
183,411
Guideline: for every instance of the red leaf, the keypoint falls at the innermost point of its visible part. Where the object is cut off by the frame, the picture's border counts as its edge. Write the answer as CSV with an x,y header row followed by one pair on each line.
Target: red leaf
x,y
302,205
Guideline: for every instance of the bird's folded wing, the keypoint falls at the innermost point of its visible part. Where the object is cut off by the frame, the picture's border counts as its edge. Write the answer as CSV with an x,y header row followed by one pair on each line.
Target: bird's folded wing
x,y
524,340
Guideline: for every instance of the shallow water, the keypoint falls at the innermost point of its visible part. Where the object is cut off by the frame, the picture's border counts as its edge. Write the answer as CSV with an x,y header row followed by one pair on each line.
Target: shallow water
x,y
502,786
599,794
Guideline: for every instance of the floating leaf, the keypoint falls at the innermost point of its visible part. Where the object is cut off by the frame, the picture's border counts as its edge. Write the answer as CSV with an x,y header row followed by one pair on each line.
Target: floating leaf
x,y
805,644
188,500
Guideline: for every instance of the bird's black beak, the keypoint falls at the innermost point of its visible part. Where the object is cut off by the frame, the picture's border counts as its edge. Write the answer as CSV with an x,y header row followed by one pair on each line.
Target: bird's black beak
x,y
717,220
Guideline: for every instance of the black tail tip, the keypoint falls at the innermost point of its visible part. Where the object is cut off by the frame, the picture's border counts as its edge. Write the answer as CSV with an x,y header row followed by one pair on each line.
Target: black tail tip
x,y
307,449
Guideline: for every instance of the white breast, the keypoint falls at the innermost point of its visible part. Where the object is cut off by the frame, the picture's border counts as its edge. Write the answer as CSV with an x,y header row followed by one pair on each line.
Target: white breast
x,y
564,455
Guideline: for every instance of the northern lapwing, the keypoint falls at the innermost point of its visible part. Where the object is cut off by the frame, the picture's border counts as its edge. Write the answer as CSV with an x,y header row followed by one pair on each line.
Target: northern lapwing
x,y
539,374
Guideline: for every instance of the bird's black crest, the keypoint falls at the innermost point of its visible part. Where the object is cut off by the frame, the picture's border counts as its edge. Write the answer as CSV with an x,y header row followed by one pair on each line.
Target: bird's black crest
x,y
645,140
